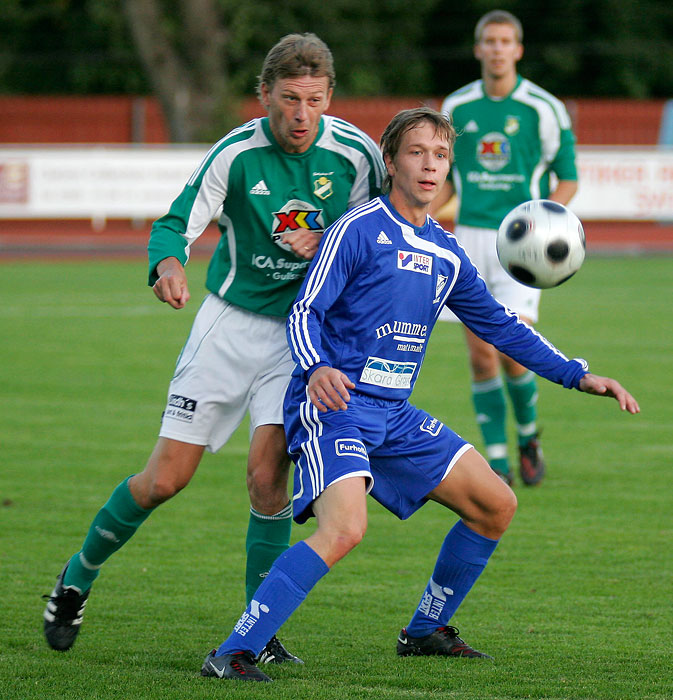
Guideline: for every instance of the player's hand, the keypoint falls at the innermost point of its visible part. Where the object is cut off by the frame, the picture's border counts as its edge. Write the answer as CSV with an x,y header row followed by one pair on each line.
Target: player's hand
x,y
604,386
304,243
171,287
328,389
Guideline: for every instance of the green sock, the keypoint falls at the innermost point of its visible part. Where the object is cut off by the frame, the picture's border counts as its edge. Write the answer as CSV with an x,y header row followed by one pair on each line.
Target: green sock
x,y
268,537
523,392
489,403
113,526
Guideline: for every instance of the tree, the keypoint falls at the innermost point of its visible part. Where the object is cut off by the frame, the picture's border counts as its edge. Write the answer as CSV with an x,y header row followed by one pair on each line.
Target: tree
x,y
183,55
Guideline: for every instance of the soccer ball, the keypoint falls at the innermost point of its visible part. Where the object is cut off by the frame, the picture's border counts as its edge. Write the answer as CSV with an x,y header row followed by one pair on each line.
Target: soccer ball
x,y
541,243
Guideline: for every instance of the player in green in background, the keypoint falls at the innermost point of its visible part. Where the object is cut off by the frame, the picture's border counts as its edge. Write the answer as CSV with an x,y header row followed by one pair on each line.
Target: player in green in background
x,y
279,181
512,135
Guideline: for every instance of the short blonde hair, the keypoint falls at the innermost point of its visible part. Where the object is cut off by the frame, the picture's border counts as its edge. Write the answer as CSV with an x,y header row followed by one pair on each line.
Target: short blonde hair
x,y
498,17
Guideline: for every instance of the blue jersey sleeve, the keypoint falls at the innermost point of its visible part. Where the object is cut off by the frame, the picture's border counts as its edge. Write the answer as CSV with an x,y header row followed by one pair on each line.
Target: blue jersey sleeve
x,y
476,307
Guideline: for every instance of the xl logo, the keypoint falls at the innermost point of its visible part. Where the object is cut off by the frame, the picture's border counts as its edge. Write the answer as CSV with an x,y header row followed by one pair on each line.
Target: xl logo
x,y
493,151
414,262
295,216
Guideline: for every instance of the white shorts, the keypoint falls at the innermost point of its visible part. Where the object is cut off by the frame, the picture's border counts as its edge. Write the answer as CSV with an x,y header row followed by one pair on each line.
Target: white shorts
x,y
480,246
234,361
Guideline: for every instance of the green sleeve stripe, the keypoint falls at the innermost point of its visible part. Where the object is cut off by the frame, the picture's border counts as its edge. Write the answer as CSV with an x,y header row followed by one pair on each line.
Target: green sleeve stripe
x,y
352,136
240,133
557,107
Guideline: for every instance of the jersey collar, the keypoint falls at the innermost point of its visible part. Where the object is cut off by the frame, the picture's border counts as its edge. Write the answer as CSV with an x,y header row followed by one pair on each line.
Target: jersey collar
x,y
506,97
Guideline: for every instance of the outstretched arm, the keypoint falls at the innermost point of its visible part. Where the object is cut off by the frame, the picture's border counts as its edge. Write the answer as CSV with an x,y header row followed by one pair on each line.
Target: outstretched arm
x,y
604,386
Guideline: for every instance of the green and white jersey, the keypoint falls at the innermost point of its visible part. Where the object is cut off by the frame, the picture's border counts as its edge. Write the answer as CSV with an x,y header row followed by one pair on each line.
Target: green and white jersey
x,y
265,192
506,148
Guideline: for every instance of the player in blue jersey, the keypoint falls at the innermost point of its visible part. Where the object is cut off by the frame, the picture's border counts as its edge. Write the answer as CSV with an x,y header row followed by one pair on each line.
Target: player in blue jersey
x,y
358,332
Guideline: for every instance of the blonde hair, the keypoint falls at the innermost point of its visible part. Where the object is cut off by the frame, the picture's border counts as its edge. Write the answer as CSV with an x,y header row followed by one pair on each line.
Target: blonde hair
x,y
498,17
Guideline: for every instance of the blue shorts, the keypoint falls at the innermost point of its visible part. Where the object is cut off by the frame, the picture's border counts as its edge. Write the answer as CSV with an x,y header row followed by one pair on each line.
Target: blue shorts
x,y
402,451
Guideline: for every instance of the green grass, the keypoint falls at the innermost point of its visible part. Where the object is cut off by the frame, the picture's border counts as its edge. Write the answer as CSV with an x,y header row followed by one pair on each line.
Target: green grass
x,y
576,602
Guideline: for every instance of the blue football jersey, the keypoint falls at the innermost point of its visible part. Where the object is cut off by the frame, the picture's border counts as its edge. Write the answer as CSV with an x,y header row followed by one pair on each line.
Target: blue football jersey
x,y
374,292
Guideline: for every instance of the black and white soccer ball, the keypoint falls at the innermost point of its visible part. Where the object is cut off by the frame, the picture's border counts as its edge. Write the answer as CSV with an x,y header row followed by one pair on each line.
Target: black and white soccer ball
x,y
541,243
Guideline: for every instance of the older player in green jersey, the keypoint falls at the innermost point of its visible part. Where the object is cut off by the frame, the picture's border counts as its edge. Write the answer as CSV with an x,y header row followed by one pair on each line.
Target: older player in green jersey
x,y
512,136
279,181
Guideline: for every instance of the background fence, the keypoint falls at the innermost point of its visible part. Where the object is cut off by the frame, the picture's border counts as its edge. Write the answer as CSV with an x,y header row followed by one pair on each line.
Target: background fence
x,y
78,173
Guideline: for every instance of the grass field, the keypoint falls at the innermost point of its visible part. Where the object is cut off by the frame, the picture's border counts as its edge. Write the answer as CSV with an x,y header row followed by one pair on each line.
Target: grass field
x,y
576,602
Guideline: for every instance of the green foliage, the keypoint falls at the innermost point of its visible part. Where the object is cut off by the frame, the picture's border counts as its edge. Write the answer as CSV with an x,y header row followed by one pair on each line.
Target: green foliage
x,y
579,48
576,48
68,47
574,605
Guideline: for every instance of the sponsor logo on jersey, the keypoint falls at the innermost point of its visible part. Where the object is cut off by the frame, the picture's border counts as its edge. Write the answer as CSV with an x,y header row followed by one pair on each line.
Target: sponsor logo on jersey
x,y
322,187
346,447
383,239
511,125
471,126
404,330
180,408
414,262
260,188
388,373
431,425
439,287
295,216
280,268
493,151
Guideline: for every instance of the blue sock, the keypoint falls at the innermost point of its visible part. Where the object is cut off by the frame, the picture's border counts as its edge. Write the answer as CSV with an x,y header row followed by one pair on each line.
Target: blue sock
x,y
461,560
290,579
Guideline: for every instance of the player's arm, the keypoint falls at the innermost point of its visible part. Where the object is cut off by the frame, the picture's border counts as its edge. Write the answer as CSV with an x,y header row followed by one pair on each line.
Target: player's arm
x,y
564,192
604,386
189,214
171,285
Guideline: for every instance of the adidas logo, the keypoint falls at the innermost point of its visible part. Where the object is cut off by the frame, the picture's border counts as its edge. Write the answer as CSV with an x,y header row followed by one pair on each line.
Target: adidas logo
x,y
260,188
383,239
471,126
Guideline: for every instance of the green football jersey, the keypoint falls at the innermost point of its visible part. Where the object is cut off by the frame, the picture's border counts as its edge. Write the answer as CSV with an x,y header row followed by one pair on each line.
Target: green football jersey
x,y
264,192
506,149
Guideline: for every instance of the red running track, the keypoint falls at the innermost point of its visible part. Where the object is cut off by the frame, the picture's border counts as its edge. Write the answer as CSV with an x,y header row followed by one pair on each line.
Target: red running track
x,y
76,239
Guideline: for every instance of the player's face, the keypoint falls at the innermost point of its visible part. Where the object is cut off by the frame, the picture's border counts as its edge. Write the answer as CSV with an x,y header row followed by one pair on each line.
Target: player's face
x,y
418,170
498,51
295,106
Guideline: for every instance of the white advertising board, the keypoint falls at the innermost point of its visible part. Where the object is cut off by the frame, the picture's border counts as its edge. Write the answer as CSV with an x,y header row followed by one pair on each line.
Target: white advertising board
x,y
628,184
93,183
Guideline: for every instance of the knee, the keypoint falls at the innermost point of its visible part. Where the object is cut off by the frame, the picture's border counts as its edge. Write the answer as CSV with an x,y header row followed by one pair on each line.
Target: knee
x,y
484,362
345,539
267,483
164,488
152,489
502,513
